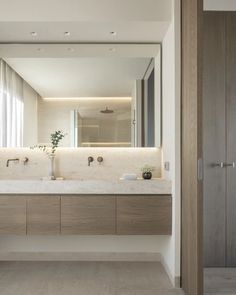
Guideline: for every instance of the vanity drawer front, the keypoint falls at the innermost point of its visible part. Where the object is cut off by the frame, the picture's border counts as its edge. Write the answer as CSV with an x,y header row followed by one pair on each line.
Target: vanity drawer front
x,y
12,215
43,215
144,215
91,215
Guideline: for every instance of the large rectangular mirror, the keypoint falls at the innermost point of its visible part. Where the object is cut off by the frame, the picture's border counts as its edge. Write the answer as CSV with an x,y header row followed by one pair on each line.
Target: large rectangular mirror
x,y
99,95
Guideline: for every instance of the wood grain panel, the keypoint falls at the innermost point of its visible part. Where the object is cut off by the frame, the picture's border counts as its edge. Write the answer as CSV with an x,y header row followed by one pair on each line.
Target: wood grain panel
x,y
12,215
88,215
192,201
144,215
214,138
43,215
231,138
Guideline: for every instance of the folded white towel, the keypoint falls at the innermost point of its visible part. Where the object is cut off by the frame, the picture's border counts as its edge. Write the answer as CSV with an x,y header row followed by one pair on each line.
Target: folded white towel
x,y
129,176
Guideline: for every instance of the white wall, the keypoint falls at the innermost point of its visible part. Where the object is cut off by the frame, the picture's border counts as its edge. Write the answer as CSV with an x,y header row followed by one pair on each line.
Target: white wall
x,y
77,244
72,163
30,136
171,132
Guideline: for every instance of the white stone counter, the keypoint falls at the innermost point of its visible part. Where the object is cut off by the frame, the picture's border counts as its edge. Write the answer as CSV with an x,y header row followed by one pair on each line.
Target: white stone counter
x,y
61,187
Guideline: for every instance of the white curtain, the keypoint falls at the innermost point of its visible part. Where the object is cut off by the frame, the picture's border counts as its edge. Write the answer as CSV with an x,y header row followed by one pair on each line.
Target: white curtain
x,y
11,107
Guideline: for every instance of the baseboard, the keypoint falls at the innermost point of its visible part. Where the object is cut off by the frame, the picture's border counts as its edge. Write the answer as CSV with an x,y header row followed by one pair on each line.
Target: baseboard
x,y
175,280
79,256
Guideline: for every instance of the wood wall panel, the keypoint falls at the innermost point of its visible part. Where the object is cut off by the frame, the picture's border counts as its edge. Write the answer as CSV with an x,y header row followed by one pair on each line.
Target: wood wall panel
x,y
231,137
192,201
214,138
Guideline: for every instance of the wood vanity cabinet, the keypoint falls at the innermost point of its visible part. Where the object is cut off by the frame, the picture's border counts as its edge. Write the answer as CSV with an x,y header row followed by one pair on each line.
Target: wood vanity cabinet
x,y
144,215
43,215
12,215
91,215
86,214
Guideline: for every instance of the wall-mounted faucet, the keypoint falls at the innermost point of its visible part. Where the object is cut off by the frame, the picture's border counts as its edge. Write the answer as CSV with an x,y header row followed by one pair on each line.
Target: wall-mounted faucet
x,y
24,161
12,160
90,160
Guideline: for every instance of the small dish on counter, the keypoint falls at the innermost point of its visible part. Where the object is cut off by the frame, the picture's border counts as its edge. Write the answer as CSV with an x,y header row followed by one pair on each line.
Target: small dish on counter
x,y
129,176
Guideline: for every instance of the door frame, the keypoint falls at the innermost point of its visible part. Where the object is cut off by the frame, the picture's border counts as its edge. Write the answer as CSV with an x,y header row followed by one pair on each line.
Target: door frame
x,y
191,154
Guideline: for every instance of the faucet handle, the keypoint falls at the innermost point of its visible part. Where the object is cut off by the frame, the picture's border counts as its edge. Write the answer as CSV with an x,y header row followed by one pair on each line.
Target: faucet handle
x,y
100,160
25,160
90,160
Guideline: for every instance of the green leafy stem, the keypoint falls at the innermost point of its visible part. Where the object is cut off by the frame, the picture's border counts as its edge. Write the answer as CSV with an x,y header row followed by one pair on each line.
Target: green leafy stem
x,y
55,137
147,168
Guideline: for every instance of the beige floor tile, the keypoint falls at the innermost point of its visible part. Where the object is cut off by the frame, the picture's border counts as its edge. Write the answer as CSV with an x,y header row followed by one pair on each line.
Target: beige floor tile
x,y
84,278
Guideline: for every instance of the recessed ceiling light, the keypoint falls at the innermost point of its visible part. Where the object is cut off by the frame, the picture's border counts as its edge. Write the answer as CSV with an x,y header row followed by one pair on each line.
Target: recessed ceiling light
x,y
70,49
67,33
113,33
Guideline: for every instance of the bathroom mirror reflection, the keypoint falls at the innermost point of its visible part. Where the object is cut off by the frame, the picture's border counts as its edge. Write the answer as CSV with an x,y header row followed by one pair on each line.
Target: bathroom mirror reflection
x,y
99,96
102,122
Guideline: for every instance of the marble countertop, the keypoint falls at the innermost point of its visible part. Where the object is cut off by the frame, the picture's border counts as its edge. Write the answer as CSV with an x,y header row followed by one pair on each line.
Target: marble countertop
x,y
154,186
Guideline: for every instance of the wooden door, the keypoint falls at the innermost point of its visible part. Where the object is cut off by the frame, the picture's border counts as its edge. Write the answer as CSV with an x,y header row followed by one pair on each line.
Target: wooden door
x,y
90,215
231,138
43,215
192,201
144,215
214,138
12,215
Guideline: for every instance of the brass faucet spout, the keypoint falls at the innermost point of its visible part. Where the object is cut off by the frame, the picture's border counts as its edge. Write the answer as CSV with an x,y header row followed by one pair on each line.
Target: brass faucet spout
x,y
12,160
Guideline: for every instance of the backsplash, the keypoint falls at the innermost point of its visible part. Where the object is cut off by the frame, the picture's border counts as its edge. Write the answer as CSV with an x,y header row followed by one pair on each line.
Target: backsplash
x,y
72,163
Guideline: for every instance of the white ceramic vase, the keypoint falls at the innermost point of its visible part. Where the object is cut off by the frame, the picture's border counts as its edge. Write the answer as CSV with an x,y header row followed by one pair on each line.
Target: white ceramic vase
x,y
52,167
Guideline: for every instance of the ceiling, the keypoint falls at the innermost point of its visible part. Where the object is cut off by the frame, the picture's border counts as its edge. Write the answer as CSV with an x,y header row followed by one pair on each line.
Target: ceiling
x,y
85,10
90,20
108,50
86,20
53,32
80,77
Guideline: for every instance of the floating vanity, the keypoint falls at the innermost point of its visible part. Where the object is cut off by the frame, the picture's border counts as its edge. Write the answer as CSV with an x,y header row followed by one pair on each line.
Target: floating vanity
x,y
96,207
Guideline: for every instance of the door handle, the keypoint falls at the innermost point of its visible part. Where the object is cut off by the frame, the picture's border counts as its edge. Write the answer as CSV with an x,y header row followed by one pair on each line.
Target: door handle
x,y
224,165
230,164
220,165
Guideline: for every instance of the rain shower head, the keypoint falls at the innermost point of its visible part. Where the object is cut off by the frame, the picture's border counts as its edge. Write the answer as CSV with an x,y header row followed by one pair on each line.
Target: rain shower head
x,y
107,111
